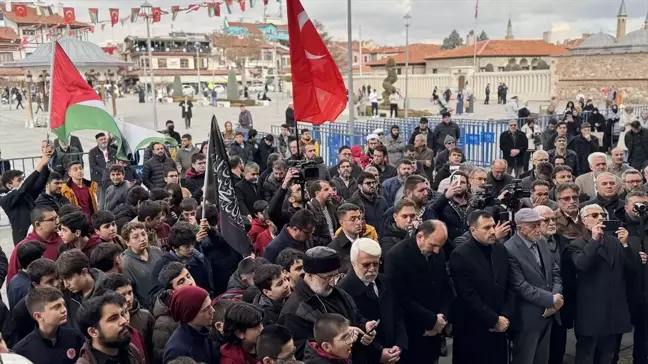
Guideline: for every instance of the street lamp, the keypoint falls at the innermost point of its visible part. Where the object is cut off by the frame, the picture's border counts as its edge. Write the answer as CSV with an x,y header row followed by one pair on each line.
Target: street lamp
x,y
147,7
43,80
197,45
350,66
110,76
407,18
29,79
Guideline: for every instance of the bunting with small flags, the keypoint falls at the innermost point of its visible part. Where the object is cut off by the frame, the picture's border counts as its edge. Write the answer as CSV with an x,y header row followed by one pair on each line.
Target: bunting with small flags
x,y
174,12
68,15
242,4
134,14
211,9
217,9
94,15
193,7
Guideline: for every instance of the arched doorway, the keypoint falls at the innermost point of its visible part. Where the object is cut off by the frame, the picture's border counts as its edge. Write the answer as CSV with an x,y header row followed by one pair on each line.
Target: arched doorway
x,y
462,82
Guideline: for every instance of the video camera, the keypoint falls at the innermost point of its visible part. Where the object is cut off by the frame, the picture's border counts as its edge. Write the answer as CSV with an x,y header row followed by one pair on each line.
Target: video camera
x,y
486,197
308,170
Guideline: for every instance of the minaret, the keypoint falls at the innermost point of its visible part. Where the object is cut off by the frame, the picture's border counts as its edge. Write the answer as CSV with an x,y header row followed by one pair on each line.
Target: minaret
x,y
622,16
509,30
646,23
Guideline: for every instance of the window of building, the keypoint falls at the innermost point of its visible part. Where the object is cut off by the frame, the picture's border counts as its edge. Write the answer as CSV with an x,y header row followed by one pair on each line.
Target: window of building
x,y
435,71
162,63
29,32
144,63
501,69
184,63
6,57
399,71
355,59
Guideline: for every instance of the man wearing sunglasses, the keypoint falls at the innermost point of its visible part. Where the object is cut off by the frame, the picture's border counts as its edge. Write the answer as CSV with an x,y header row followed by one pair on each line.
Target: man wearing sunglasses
x,y
568,221
443,156
604,264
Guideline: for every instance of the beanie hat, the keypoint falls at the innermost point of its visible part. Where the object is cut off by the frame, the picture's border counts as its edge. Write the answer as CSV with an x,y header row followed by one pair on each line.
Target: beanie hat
x,y
186,302
321,259
448,139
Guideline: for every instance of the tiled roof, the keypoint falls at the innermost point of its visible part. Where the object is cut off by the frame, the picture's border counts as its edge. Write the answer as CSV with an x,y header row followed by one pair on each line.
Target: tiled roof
x,y
573,43
365,69
252,28
417,55
11,72
386,50
8,33
33,18
504,48
355,45
178,72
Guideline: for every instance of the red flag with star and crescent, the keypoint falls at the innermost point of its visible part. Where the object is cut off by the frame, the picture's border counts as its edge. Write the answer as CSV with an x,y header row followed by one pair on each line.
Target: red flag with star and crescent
x,y
319,93
68,15
156,15
114,16
19,9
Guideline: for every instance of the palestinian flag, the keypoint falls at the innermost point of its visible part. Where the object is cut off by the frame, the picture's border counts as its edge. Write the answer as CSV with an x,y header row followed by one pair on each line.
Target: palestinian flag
x,y
75,105
174,12
94,15
135,137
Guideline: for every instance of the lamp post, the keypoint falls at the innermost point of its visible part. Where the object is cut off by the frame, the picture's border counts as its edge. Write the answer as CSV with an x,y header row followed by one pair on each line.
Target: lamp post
x,y
350,66
197,45
147,10
110,76
407,25
102,87
29,79
43,79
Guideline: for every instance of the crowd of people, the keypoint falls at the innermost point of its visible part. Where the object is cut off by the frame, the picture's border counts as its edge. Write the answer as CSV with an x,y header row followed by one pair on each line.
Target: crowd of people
x,y
381,258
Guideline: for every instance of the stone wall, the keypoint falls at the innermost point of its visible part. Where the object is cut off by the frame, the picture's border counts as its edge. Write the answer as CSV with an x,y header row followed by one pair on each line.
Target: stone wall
x,y
591,74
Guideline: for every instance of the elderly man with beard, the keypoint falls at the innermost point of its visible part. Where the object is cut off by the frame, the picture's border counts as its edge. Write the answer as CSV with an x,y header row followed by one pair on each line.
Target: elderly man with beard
x,y
419,261
568,220
632,181
604,264
315,295
607,196
345,185
104,323
154,169
485,298
376,299
538,285
395,145
637,301
587,182
557,245
367,195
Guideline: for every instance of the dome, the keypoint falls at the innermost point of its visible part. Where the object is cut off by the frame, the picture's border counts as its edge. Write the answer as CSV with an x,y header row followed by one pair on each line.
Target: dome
x,y
636,38
598,40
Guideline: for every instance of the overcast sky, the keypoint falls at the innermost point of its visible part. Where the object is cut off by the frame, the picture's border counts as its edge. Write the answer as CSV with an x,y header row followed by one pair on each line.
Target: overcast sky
x,y
382,20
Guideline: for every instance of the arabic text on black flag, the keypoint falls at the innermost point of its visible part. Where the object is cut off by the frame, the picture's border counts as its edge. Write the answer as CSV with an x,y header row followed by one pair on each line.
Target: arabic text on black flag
x,y
220,190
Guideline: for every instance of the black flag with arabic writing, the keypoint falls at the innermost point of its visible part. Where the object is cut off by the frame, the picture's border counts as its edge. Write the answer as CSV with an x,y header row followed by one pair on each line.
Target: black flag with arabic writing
x,y
220,190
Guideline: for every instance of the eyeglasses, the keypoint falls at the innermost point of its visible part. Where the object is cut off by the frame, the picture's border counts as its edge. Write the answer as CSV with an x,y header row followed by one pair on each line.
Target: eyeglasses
x,y
568,198
329,279
634,182
596,215
51,219
307,232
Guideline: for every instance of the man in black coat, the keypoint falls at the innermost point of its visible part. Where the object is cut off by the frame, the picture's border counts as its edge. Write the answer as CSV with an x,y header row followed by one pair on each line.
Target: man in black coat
x,y
52,197
376,299
315,295
195,176
636,140
97,159
265,149
485,299
350,218
513,144
154,169
17,196
368,197
412,264
247,191
344,153
604,264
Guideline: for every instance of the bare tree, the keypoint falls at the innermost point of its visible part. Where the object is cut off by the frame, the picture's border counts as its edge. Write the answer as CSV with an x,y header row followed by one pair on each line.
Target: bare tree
x,y
238,50
337,52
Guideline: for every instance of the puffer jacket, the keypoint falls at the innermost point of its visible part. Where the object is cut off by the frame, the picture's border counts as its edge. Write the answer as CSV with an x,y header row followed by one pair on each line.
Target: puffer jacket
x,y
68,192
395,148
164,325
124,214
270,187
153,171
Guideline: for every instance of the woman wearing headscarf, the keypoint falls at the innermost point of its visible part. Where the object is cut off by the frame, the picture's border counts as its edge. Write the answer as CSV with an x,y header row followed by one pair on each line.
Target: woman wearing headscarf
x,y
612,128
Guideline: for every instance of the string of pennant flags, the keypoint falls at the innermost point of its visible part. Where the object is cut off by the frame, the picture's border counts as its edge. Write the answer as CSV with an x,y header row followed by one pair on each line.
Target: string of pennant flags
x,y
156,13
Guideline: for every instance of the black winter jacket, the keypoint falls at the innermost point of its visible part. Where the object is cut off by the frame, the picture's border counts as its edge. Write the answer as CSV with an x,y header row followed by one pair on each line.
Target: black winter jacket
x,y
220,259
18,203
124,214
54,202
392,235
373,209
154,169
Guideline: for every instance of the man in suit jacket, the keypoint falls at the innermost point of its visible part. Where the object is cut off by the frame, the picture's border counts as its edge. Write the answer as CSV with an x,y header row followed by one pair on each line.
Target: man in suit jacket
x,y
604,264
536,278
376,299
485,299
416,269
247,191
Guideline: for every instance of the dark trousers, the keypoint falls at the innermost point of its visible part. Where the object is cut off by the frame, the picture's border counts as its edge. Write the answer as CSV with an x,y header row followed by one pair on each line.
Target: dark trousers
x,y
19,104
525,161
533,347
595,349
557,345
487,99
187,122
393,110
374,109
640,343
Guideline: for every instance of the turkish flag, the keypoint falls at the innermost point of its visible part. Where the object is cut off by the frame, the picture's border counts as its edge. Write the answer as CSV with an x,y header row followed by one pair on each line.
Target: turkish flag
x,y
156,15
242,4
217,10
114,16
68,15
19,9
319,93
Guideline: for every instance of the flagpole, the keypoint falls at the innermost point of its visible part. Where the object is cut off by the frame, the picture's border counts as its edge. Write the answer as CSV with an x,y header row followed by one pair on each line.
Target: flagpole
x,y
51,77
350,67
475,35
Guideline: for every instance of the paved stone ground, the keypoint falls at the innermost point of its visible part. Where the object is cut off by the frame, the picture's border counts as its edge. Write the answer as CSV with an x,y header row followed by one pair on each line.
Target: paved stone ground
x,y
18,142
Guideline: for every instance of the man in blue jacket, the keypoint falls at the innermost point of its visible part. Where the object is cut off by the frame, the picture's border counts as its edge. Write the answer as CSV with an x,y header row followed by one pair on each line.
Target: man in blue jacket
x,y
393,188
297,235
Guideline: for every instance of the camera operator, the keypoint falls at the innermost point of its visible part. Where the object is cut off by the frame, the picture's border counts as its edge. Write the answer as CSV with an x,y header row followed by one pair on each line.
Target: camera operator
x,y
309,155
607,195
280,214
635,202
498,176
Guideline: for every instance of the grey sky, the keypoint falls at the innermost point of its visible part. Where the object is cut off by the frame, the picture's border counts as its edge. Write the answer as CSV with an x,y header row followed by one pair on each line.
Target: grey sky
x,y
382,20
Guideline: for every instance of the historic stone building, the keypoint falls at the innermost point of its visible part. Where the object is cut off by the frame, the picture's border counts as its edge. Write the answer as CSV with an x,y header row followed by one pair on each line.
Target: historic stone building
x,y
602,61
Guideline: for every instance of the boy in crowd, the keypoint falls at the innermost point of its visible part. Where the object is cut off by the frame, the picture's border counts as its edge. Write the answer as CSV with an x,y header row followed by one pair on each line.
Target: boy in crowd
x,y
275,344
75,233
108,258
195,176
117,191
172,177
172,277
241,329
140,259
188,212
182,242
259,233
334,338
218,323
244,275
105,227
104,323
73,267
292,262
42,273
50,342
150,214
275,289
140,319
52,195
20,284
79,191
